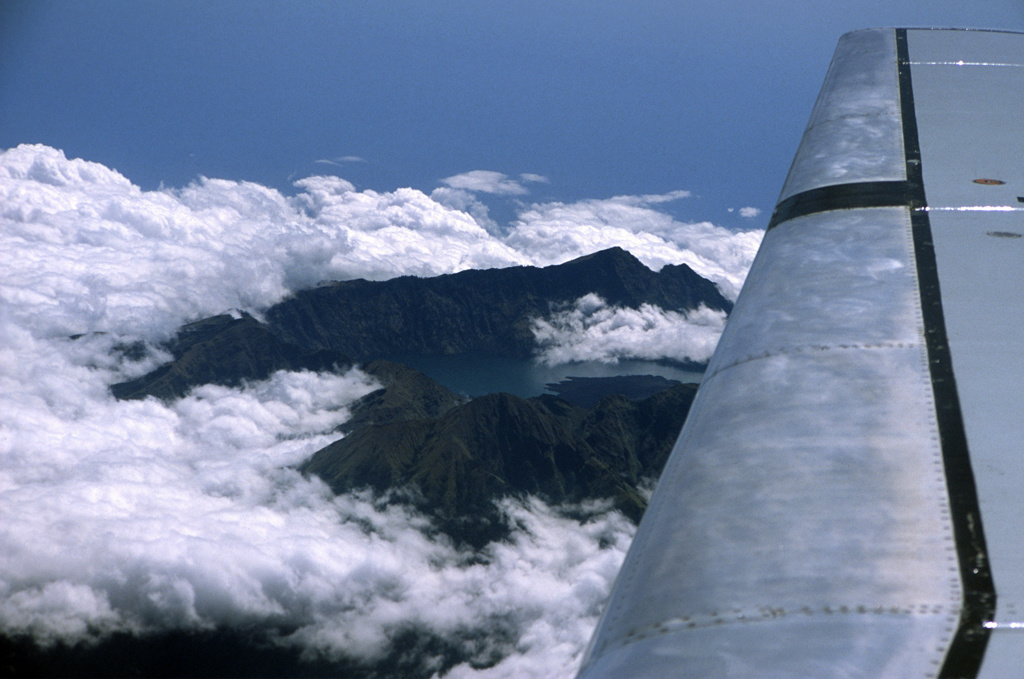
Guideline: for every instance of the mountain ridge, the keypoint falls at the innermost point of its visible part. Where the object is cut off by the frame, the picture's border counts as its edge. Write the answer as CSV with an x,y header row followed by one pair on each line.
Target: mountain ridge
x,y
487,311
339,324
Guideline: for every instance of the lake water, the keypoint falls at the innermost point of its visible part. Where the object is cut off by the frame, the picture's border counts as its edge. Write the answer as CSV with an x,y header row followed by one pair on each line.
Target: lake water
x,y
479,375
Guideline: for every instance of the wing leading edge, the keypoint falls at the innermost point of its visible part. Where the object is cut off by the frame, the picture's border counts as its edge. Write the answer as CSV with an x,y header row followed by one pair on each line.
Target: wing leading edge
x,y
844,498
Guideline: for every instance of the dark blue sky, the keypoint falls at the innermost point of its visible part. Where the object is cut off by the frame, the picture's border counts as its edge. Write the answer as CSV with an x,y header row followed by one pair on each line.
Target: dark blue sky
x,y
600,97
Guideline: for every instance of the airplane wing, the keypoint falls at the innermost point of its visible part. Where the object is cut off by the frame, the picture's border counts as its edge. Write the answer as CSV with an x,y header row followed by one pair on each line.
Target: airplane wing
x,y
845,499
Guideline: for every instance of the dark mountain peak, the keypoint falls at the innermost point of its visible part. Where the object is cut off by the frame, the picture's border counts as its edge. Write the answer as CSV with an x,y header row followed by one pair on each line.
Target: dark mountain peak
x,y
405,394
205,329
610,258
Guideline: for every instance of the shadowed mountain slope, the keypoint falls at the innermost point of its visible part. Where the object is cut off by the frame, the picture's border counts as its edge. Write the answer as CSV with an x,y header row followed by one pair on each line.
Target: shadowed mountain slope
x,y
457,464
478,311
224,350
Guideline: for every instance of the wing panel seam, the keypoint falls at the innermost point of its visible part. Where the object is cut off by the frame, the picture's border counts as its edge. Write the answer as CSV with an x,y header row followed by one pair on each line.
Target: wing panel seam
x,y
814,348
769,614
851,196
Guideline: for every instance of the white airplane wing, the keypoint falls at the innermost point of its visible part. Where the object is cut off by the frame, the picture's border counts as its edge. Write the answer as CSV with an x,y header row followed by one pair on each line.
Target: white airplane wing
x,y
847,496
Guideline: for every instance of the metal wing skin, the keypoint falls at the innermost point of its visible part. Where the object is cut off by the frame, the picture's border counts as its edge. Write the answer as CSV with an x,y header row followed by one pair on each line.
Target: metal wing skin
x,y
845,499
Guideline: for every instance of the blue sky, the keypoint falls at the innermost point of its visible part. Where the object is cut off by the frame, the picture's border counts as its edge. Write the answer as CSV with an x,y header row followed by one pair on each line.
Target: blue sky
x,y
600,98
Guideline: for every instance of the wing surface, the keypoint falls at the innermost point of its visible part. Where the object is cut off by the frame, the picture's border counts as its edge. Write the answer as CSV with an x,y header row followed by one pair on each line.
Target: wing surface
x,y
845,497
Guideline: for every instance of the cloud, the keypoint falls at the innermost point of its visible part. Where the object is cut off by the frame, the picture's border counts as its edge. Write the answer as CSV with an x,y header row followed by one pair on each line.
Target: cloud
x,y
591,330
340,161
488,181
467,201
552,233
556,584
142,516
746,212
381,235
650,199
86,250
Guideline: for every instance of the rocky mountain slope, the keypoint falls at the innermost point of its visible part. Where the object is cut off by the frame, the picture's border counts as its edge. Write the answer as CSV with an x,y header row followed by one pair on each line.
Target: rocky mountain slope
x,y
455,463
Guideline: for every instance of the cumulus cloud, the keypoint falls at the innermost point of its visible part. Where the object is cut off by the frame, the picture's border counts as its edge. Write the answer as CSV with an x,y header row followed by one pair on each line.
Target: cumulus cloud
x,y
592,330
381,235
747,212
556,232
143,516
467,201
86,250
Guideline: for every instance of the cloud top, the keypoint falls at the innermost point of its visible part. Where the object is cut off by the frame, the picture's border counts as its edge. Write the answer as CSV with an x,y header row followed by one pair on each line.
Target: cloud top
x,y
87,250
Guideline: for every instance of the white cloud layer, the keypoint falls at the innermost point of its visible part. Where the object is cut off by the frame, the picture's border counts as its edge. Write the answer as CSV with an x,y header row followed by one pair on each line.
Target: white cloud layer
x,y
591,330
141,515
